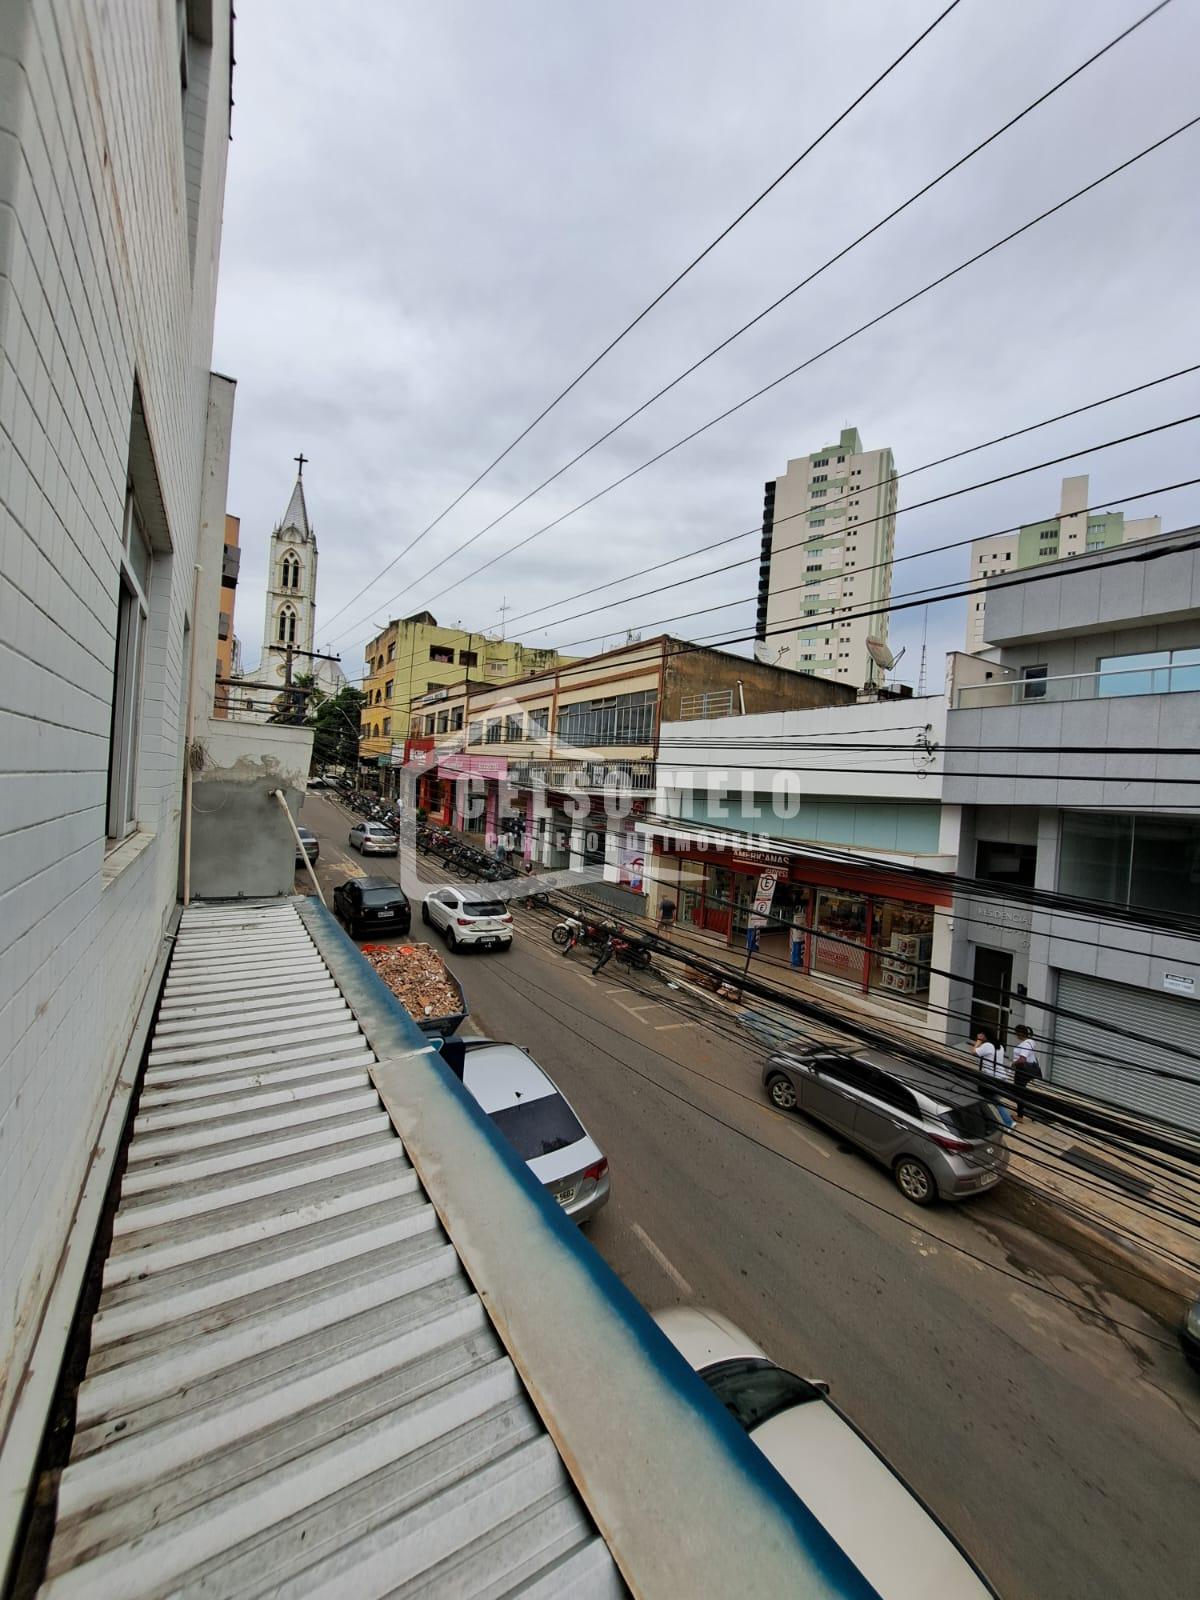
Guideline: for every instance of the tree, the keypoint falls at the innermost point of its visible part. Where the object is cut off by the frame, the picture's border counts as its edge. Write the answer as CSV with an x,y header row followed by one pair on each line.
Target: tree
x,y
335,720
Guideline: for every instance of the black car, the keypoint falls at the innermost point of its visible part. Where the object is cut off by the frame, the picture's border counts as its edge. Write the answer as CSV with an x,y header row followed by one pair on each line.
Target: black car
x,y
312,847
372,905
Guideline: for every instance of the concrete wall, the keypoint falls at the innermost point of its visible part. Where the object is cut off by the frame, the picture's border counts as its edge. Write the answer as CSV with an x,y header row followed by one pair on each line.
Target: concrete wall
x,y
1090,594
240,841
765,688
101,289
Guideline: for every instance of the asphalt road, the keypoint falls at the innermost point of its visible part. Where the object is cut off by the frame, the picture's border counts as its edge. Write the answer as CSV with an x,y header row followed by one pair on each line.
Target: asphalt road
x,y
1059,1442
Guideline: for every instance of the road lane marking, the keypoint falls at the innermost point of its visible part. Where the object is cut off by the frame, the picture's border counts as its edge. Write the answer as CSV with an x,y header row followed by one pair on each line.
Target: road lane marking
x,y
664,1027
672,1272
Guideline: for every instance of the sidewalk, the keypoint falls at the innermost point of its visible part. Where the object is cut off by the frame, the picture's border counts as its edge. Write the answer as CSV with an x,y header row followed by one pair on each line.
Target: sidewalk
x,y
1087,1187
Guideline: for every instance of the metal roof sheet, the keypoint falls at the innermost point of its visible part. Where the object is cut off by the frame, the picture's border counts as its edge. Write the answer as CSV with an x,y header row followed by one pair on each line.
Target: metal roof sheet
x,y
293,1387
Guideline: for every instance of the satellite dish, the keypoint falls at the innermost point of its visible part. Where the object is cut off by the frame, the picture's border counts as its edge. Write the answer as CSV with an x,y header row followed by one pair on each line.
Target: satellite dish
x,y
880,654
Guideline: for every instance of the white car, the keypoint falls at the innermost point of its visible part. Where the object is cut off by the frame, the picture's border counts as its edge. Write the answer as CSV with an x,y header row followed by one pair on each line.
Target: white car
x,y
373,839
537,1121
464,917
890,1535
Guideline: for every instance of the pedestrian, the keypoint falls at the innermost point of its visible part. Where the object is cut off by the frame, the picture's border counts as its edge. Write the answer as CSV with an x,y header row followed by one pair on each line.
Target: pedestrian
x,y
607,951
994,1070
796,945
666,917
1025,1066
990,1057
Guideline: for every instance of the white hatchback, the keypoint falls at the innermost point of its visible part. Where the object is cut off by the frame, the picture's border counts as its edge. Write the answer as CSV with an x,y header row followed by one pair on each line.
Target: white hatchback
x,y
890,1535
464,917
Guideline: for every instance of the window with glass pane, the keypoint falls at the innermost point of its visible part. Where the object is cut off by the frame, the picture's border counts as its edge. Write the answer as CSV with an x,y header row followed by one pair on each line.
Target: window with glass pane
x,y
133,609
514,728
1152,672
1094,857
616,719
539,722
1165,871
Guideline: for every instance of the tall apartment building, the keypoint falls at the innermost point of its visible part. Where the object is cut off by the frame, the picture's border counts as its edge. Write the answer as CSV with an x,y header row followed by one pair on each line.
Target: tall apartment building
x,y
414,656
829,527
1076,531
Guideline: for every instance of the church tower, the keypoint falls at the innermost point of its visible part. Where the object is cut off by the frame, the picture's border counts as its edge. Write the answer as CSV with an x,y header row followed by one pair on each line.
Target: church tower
x,y
291,589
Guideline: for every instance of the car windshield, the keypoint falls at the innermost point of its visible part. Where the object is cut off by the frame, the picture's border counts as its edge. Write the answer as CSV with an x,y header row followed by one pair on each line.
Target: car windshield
x,y
484,908
382,897
376,827
753,1390
976,1120
538,1127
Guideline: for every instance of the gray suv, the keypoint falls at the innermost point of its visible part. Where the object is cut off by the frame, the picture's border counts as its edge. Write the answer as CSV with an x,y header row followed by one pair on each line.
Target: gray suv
x,y
938,1139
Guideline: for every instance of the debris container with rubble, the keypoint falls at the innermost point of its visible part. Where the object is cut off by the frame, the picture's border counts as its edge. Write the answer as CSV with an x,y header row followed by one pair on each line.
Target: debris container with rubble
x,y
422,983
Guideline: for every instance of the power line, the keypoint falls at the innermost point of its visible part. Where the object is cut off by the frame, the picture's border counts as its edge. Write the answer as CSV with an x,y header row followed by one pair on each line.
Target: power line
x,y
910,598
940,461
1093,1183
674,284
716,641
874,1205
868,522
783,377
980,888
795,289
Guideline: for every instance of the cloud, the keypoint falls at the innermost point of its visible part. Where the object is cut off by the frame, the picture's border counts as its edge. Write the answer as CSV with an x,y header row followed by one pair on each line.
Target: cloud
x,y
436,215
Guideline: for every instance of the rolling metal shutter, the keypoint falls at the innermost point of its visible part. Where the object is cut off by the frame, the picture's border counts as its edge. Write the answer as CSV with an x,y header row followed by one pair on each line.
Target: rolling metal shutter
x,y
1164,1025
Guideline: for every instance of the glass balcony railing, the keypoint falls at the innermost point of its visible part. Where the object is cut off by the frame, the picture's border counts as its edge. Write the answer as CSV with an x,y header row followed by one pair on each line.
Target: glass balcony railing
x,y
1128,675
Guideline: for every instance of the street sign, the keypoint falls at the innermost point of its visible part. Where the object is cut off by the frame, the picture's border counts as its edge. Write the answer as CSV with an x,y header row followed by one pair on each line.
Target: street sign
x,y
763,896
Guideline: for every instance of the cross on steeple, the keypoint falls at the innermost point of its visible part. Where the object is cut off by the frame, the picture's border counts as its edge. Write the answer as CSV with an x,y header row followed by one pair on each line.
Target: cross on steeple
x,y
300,460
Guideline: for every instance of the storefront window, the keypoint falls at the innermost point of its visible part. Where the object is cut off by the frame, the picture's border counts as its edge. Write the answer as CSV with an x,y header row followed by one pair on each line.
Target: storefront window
x,y
839,948
902,949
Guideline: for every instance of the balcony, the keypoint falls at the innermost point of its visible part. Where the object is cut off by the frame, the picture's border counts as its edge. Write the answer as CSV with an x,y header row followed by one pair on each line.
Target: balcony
x,y
231,560
1109,683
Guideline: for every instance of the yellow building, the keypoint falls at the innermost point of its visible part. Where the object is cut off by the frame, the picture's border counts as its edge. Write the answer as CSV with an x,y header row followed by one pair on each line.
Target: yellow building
x,y
413,656
228,665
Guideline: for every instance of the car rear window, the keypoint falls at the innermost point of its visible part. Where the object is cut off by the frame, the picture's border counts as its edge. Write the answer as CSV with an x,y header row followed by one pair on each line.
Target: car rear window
x,y
538,1127
753,1390
976,1120
484,908
382,897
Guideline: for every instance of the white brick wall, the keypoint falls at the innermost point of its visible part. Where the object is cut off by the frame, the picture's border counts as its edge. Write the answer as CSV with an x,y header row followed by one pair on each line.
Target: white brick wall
x,y
98,289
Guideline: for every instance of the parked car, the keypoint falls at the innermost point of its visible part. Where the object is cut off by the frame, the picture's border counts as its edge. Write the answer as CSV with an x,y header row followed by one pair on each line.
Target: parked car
x,y
465,918
937,1138
311,845
373,839
536,1120
864,1505
375,905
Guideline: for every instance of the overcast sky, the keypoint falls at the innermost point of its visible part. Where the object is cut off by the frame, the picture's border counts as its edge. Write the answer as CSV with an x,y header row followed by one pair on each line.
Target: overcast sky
x,y
437,213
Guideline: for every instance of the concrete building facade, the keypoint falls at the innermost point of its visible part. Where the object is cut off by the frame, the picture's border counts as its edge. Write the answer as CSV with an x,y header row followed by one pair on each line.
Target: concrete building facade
x,y
114,132
228,664
829,529
565,761
414,657
844,803
1074,532
1094,684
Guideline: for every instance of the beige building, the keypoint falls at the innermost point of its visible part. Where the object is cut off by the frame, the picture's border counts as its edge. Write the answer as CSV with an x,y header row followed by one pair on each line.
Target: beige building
x,y
829,527
1075,531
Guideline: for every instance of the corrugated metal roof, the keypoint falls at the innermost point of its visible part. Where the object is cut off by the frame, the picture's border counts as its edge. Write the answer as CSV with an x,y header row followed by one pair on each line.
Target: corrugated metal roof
x,y
293,1387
